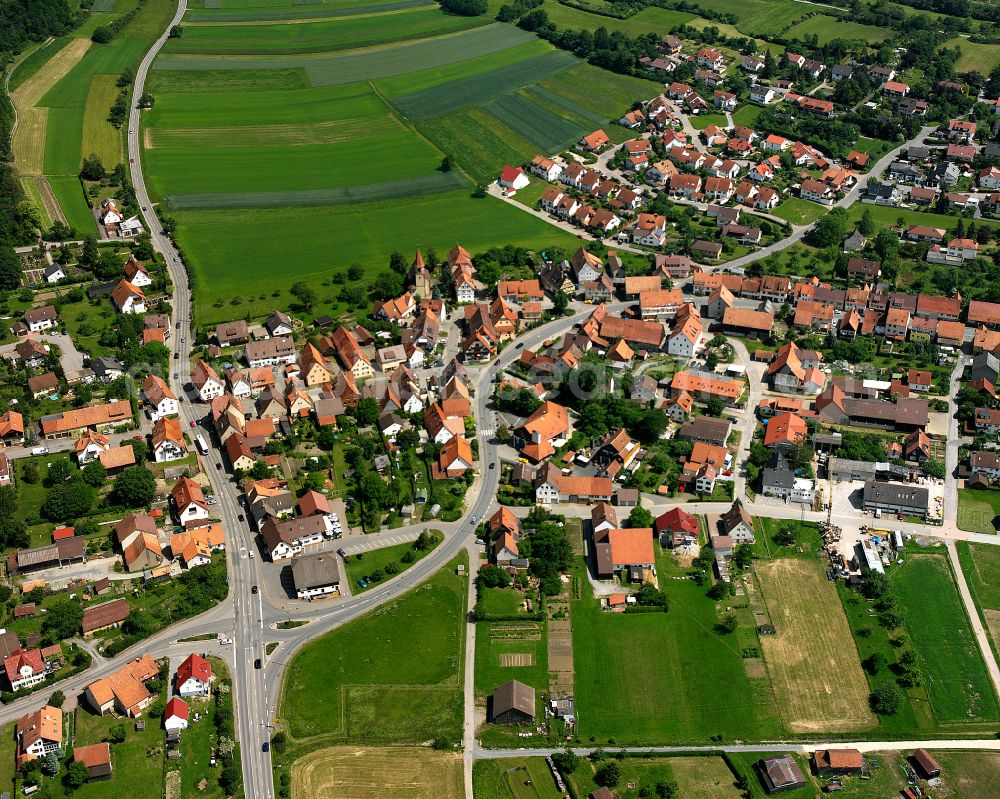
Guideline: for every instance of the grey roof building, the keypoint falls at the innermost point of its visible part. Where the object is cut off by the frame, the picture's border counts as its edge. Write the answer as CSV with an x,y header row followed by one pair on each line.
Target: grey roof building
x,y
316,575
513,703
895,497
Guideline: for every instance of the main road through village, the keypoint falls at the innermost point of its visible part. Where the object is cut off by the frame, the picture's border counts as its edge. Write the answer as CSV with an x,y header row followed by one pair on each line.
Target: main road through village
x,y
250,618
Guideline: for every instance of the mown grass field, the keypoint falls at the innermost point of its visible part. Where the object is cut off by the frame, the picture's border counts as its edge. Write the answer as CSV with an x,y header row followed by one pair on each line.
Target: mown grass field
x,y
957,683
972,775
345,33
981,567
628,690
392,676
99,135
701,777
799,211
649,20
827,28
981,58
978,511
396,772
818,684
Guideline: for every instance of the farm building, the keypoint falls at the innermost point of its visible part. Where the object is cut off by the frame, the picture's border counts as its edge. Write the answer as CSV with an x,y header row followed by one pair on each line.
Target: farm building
x,y
514,703
779,774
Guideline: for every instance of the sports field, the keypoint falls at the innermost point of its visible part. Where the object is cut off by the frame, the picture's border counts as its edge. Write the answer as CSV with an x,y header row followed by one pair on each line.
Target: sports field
x,y
817,681
392,676
396,772
957,683
665,677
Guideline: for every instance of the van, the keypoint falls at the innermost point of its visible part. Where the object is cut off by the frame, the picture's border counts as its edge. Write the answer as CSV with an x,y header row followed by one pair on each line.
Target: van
x,y
39,451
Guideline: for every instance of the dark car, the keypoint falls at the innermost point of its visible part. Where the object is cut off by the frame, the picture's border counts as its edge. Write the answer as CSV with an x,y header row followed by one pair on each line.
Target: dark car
x,y
256,663
253,590
342,552
242,518
266,746
493,465
519,346
218,466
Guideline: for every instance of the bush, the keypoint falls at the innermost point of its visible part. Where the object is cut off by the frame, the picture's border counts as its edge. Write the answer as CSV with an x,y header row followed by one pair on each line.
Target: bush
x,y
886,699
608,774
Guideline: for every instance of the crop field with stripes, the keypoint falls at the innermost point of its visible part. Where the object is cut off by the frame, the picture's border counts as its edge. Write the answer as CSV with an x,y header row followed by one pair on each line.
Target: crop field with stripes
x,y
283,126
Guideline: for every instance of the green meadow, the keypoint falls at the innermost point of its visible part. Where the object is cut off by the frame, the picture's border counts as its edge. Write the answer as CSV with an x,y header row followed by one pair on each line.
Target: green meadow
x,y
344,33
238,253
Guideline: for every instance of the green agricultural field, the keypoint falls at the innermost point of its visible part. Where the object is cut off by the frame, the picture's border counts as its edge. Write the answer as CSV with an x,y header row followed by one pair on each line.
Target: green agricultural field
x,y
99,135
422,79
981,58
224,81
35,60
616,95
971,775
392,676
627,690
649,20
761,17
300,12
957,682
69,194
480,143
542,127
827,28
799,212
346,33
222,271
477,89
978,511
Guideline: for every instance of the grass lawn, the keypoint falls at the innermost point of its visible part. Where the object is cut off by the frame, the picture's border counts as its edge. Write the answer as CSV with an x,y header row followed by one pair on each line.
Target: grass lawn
x,y
957,683
514,778
978,510
798,211
380,558
628,691
972,775
887,215
138,762
819,684
530,195
746,115
214,243
392,676
501,601
30,496
701,777
702,121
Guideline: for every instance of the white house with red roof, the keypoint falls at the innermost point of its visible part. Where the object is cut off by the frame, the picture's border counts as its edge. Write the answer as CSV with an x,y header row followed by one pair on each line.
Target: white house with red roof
x,y
175,715
24,668
513,178
194,676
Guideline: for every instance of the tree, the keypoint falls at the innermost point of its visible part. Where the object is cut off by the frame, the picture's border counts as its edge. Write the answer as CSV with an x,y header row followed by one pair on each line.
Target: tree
x,y
886,699
866,225
64,619
134,487
101,35
304,293
874,663
57,699
493,577
51,762
446,164
279,742
566,762
118,733
68,501
176,32
10,269
94,474
560,301
727,624
786,535
608,774
76,775
831,229
503,434
715,407
875,584
666,790
465,8
742,556
366,411
30,473
93,168
355,272
640,517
